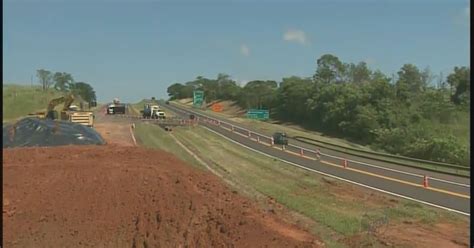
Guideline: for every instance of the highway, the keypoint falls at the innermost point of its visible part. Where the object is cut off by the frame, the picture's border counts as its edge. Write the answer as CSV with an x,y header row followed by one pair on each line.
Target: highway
x,y
444,191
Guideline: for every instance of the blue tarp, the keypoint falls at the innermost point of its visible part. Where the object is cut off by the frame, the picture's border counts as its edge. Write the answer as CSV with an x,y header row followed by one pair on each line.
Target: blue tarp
x,y
39,132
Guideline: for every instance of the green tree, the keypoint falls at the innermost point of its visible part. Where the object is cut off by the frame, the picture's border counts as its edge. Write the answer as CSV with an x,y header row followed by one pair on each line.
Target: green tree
x,y
175,91
460,82
292,96
358,74
258,94
329,69
62,81
45,78
227,88
84,90
410,82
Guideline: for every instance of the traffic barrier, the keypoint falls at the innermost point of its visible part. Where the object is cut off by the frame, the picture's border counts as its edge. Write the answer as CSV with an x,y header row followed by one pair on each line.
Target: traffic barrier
x,y
344,163
425,181
318,154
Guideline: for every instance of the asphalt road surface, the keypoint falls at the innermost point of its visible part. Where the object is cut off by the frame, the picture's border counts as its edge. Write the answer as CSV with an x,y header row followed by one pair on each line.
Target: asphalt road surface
x,y
445,191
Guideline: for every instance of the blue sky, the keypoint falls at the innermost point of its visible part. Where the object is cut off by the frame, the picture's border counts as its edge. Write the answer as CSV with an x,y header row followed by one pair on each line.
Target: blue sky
x,y
136,49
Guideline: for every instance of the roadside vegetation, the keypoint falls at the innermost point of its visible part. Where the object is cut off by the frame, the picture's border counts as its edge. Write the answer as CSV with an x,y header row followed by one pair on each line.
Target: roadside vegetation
x,y
153,136
413,113
343,215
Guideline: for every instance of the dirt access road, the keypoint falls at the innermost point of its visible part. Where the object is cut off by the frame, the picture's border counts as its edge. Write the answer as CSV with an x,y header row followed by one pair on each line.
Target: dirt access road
x,y
117,195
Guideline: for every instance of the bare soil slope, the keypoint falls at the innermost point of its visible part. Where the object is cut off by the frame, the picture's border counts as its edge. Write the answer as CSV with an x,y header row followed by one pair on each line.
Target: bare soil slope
x,y
117,196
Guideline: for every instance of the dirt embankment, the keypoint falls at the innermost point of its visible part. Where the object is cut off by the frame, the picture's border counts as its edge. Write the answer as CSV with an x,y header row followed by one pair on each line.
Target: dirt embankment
x,y
116,196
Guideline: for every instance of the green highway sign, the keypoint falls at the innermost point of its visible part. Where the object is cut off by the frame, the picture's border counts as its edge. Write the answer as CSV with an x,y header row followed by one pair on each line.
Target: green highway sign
x,y
198,98
258,114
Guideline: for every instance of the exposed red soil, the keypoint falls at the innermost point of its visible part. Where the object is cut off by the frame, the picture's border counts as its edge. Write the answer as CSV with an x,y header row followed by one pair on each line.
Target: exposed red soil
x,y
115,133
117,196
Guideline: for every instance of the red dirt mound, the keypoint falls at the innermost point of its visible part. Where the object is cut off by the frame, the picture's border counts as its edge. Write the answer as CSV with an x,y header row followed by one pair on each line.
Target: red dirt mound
x,y
116,196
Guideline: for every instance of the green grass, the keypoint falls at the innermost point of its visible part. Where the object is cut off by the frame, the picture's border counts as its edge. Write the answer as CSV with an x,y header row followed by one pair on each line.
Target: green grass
x,y
19,100
152,136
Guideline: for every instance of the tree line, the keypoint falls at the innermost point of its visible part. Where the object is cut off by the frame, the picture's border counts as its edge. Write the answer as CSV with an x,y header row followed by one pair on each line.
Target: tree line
x,y
64,82
413,113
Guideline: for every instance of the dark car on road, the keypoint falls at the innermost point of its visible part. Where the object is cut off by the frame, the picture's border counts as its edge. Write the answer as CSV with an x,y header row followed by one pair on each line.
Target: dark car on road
x,y
280,138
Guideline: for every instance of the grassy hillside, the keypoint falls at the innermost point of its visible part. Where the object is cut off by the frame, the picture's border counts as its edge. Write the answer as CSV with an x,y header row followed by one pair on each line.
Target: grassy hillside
x,y
19,100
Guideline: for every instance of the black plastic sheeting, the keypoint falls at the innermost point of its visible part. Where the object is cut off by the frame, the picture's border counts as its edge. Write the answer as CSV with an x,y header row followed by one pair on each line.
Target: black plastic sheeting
x,y
39,132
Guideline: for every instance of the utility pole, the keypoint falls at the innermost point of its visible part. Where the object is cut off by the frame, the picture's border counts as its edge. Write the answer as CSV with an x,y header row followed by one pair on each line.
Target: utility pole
x,y
31,81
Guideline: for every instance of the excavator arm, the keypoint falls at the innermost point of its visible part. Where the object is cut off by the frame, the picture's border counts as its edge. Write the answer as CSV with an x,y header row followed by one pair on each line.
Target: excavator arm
x,y
68,101
53,103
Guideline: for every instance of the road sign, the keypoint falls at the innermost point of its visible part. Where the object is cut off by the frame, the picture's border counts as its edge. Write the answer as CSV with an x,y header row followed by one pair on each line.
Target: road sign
x,y
258,114
198,98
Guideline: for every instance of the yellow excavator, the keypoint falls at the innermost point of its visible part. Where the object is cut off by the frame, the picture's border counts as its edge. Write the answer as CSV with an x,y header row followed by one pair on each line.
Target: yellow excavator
x,y
67,113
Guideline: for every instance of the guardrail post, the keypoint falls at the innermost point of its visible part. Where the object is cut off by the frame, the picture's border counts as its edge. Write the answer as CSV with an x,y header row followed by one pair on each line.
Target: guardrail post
x,y
249,133
282,147
318,154
272,142
218,122
425,181
232,128
258,139
301,152
344,163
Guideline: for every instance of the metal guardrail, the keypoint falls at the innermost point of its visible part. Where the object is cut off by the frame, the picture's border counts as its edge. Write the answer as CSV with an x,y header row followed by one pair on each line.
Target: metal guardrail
x,y
415,160
258,137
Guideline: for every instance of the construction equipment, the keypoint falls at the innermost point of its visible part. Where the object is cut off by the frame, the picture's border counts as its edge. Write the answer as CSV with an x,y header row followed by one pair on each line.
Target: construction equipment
x,y
280,138
68,112
146,111
116,107
153,112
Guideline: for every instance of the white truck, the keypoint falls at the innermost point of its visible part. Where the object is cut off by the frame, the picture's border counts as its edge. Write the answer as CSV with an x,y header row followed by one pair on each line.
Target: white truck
x,y
157,112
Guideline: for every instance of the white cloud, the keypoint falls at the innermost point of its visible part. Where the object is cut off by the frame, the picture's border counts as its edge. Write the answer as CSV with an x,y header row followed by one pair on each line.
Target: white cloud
x,y
295,35
244,49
